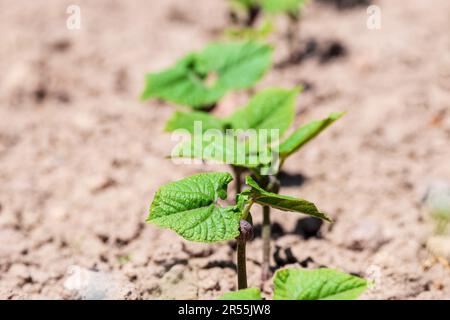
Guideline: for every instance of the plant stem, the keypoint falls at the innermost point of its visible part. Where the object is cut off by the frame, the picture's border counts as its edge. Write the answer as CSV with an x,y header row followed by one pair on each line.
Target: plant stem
x,y
247,209
266,233
272,185
252,15
241,259
292,37
209,107
237,178
241,265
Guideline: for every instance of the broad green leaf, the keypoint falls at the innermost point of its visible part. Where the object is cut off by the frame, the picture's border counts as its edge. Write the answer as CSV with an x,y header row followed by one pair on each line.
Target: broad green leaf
x,y
320,284
272,108
282,6
281,202
187,121
201,79
244,294
217,146
238,65
189,207
183,84
306,133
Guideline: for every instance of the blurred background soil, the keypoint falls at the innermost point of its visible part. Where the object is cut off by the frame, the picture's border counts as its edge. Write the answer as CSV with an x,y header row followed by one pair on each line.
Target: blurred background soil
x,y
81,156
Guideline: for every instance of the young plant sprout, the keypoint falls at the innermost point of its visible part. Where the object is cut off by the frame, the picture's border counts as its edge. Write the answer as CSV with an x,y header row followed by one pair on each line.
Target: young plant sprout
x,y
302,284
250,8
437,204
201,79
268,8
261,32
250,140
270,109
292,10
190,208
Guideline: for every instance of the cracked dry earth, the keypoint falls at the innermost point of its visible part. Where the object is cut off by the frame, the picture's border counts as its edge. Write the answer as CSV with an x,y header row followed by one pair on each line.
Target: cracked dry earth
x,y
80,156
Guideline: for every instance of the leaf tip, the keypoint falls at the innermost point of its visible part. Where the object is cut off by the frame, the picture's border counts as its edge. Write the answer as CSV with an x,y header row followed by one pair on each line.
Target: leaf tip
x,y
145,94
337,115
143,97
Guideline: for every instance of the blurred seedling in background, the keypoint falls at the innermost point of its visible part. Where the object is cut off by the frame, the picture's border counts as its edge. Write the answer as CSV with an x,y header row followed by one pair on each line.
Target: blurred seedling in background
x,y
437,202
302,284
269,9
191,208
244,12
270,109
260,32
201,79
437,205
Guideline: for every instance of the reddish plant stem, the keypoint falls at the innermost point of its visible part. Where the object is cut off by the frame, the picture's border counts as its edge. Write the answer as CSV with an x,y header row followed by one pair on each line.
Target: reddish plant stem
x,y
266,234
237,178
241,265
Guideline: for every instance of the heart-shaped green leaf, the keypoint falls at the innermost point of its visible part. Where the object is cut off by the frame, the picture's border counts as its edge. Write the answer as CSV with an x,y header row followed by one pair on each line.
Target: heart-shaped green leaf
x,y
189,207
281,202
272,108
238,65
306,133
244,294
182,84
201,79
321,284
